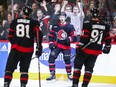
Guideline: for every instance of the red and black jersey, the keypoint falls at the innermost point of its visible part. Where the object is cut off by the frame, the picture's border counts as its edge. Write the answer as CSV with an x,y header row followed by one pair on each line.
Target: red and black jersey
x,y
44,24
95,33
22,34
60,33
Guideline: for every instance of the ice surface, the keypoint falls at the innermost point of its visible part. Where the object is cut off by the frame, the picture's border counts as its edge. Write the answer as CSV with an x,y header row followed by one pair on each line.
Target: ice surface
x,y
35,83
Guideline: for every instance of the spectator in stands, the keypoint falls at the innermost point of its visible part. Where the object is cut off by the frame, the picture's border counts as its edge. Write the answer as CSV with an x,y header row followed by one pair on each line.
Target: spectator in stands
x,y
9,9
87,13
92,5
47,5
44,6
50,6
64,2
2,13
34,12
4,3
59,1
79,3
44,23
9,20
54,17
68,8
76,18
29,2
114,22
113,30
21,3
3,31
17,11
15,2
4,28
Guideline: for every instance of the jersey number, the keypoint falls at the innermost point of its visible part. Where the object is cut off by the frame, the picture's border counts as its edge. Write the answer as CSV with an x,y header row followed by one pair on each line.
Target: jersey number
x,y
22,30
96,36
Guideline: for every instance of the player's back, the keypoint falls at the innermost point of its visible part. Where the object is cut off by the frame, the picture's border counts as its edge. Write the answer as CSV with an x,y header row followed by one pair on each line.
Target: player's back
x,y
95,33
23,32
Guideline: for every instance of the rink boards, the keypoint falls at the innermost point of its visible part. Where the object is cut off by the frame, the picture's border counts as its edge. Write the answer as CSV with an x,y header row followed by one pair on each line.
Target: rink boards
x,y
104,70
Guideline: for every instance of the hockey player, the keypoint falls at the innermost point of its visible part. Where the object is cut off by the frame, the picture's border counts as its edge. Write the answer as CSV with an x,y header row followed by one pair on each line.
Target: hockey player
x,y
95,32
22,33
59,41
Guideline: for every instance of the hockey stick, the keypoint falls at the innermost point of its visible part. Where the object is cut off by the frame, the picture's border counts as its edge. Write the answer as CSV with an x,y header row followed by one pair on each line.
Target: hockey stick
x,y
91,41
88,43
38,43
36,57
39,76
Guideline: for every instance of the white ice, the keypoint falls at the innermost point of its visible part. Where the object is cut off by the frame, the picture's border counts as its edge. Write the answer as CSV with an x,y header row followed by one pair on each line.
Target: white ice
x,y
35,83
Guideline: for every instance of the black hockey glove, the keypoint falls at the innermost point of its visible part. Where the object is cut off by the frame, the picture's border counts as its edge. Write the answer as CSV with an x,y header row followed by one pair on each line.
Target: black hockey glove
x,y
52,46
38,52
106,49
79,48
67,40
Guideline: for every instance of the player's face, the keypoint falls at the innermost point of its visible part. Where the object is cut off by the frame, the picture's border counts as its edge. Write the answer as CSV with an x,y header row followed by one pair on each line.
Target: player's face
x,y
62,18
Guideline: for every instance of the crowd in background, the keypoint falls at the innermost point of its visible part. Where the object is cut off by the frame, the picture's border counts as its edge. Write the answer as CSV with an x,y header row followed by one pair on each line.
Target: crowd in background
x,y
47,11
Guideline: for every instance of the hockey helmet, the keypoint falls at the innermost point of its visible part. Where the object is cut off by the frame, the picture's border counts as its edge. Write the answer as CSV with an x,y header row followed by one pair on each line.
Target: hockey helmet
x,y
27,10
62,14
95,13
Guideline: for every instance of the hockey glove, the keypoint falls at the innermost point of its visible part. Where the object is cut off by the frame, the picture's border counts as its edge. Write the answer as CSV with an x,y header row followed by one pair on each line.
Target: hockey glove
x,y
52,46
79,48
67,40
106,49
38,52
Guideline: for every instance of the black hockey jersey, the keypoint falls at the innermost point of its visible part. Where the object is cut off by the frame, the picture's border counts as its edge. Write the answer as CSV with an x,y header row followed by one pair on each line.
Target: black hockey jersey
x,y
60,33
22,34
95,33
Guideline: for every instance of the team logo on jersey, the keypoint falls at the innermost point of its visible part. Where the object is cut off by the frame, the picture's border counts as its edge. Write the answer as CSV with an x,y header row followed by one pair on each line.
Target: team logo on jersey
x,y
52,53
62,35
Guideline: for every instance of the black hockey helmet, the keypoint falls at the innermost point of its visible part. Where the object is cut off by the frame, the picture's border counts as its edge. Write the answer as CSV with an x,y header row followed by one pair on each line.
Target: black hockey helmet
x,y
95,13
62,14
27,10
